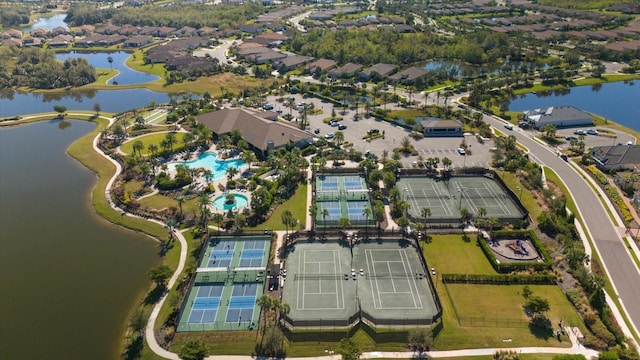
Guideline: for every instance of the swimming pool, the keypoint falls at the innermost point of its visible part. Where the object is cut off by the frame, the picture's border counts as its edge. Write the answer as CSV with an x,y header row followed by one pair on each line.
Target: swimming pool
x,y
210,161
240,202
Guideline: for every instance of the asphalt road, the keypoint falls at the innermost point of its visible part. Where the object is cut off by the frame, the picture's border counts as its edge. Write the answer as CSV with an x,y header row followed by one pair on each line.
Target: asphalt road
x,y
617,261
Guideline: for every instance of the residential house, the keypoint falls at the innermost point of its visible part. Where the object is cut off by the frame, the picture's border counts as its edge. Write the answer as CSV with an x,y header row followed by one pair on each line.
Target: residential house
x,y
39,32
11,42
377,72
409,75
137,41
32,41
61,41
12,33
109,30
559,116
319,66
265,57
60,31
86,30
252,29
261,133
291,62
620,157
345,71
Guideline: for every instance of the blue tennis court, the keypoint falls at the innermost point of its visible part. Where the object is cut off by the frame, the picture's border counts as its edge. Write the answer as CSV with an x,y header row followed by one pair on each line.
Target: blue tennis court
x,y
220,259
252,254
333,209
242,303
356,210
328,183
206,304
353,183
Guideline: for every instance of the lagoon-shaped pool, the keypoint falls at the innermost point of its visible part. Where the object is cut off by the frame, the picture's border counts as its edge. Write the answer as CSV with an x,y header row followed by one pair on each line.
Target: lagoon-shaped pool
x,y
240,201
210,161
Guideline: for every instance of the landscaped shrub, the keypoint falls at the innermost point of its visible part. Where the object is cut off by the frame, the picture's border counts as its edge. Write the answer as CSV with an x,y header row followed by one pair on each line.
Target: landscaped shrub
x,y
617,199
602,178
498,279
600,330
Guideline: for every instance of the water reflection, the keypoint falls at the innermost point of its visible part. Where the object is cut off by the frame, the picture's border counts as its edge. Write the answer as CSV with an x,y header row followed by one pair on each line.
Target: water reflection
x,y
126,76
14,103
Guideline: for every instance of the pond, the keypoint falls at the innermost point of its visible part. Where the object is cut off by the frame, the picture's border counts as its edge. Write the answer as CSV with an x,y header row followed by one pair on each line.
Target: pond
x,y
48,23
616,101
15,103
127,75
69,278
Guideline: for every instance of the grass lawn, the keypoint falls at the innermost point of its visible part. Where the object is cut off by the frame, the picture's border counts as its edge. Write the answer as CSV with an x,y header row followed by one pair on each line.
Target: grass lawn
x,y
469,257
148,139
526,198
297,204
159,202
406,114
486,301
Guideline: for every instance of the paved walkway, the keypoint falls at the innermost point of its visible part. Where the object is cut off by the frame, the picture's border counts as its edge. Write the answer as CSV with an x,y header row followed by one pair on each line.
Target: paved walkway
x,y
158,350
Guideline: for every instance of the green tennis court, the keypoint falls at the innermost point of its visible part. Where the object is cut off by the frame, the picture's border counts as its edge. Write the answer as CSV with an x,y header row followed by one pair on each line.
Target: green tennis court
x,y
228,281
341,196
385,282
446,198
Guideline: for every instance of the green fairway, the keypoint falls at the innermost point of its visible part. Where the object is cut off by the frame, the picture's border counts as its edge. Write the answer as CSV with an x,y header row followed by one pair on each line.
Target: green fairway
x,y
154,138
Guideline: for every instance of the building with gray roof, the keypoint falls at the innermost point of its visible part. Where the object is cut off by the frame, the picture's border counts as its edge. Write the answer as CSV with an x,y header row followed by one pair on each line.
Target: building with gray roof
x,y
620,157
559,116
258,129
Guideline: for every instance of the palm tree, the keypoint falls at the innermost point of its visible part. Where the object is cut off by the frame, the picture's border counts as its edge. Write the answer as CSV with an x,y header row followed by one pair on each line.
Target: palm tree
x,y
266,304
153,149
425,212
482,212
180,199
287,217
138,145
249,156
110,61
366,212
218,218
171,139
325,213
231,172
339,137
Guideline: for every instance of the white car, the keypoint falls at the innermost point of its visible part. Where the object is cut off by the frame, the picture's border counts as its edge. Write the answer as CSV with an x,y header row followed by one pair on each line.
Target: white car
x,y
508,126
329,136
461,151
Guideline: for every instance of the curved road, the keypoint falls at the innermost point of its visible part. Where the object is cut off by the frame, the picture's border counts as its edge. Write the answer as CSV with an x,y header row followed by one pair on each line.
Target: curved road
x,y
616,260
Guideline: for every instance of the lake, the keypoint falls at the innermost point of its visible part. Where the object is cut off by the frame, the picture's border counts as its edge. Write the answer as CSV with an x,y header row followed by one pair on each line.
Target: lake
x,y
127,75
69,278
615,101
48,23
14,103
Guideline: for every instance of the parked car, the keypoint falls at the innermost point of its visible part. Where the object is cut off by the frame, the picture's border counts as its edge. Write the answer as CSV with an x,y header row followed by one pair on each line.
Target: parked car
x,y
592,132
508,126
373,131
569,138
580,132
342,127
334,124
268,106
329,136
316,131
461,151
523,125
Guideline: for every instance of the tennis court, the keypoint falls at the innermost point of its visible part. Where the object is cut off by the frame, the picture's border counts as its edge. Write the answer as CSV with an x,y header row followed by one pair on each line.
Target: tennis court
x,y
227,283
342,196
326,286
446,198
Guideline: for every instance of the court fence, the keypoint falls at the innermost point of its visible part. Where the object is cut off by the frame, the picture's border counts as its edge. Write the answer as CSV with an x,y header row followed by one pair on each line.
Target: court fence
x,y
415,216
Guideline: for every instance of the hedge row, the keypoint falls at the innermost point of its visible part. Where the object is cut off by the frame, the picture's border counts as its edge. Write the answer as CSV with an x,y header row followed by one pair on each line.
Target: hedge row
x,y
624,210
498,279
516,266
602,178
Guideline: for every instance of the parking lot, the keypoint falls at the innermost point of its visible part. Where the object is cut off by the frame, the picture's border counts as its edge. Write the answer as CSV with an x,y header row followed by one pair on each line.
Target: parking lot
x,y
440,147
